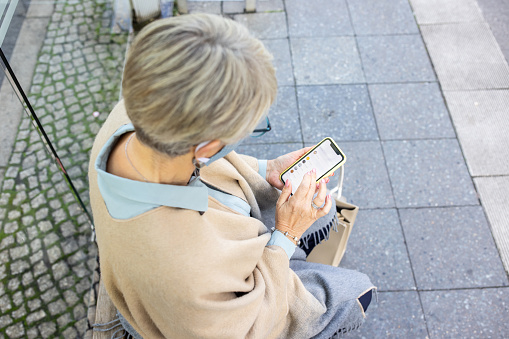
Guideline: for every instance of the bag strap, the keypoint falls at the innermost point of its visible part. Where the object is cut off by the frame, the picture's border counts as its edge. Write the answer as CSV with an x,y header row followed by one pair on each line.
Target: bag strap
x,y
338,190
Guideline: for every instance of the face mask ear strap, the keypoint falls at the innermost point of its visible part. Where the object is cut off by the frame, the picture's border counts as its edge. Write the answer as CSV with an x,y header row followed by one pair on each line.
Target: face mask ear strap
x,y
201,145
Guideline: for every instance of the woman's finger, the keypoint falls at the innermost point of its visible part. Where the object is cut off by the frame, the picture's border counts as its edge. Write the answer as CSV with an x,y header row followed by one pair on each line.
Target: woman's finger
x,y
312,186
326,208
303,189
293,156
318,185
322,193
301,152
285,193
330,175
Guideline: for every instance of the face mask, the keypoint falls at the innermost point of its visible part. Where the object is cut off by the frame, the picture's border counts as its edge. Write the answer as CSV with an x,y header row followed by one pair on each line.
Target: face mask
x,y
224,151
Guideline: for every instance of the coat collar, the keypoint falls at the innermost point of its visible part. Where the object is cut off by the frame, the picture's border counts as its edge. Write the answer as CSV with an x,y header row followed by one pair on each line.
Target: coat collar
x,y
130,197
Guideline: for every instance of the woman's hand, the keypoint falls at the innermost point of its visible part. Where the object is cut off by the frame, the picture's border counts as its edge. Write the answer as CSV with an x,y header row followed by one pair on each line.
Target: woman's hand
x,y
295,214
277,166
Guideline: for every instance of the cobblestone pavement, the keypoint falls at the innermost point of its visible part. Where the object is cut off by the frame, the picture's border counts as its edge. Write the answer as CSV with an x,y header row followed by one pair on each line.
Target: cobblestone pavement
x,y
46,256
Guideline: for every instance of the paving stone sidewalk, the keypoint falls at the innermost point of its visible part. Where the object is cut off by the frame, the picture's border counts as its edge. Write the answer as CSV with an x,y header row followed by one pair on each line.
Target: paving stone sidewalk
x,y
421,234
359,71
46,255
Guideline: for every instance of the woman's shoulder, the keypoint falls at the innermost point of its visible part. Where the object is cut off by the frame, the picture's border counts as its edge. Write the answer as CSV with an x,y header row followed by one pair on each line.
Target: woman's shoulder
x,y
179,225
117,118
207,242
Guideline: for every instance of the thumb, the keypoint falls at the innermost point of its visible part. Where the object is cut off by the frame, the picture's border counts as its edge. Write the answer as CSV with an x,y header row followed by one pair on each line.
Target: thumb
x,y
285,193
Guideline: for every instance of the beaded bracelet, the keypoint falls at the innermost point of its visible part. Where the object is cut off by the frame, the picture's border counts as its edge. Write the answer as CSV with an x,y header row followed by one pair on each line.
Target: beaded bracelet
x,y
296,239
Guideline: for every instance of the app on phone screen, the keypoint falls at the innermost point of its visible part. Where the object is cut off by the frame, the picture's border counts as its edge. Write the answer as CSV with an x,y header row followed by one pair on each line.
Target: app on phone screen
x,y
323,158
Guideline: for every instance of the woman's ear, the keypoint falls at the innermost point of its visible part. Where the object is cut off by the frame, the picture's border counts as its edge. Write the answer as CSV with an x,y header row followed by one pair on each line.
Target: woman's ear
x,y
208,150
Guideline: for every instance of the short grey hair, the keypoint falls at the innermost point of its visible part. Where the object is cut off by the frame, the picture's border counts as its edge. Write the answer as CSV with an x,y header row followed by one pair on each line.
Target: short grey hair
x,y
195,78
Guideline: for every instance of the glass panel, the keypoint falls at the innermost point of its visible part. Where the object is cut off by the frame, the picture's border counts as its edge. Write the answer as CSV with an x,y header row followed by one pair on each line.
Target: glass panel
x,y
7,9
66,69
10,26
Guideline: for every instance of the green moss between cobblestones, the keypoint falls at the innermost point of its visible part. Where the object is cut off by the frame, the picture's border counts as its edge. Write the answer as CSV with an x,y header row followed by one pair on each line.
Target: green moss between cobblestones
x,y
75,158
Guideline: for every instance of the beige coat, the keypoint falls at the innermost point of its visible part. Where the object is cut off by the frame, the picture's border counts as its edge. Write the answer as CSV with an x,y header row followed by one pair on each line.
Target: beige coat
x,y
173,273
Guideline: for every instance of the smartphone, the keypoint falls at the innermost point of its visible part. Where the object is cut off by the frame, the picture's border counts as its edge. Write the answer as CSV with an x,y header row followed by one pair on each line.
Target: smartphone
x,y
326,157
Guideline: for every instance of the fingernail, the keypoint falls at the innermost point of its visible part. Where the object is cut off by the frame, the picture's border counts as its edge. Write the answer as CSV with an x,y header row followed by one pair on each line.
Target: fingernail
x,y
287,183
327,180
314,170
323,181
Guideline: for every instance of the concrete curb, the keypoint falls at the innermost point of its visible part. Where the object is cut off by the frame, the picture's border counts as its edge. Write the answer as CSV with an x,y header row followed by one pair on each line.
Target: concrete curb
x,y
23,61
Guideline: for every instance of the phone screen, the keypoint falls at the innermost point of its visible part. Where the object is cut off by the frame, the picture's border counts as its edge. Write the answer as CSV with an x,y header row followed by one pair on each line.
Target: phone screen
x,y
324,157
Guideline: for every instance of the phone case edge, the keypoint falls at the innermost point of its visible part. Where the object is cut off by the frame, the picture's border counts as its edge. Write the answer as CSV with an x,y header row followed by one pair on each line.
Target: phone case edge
x,y
311,150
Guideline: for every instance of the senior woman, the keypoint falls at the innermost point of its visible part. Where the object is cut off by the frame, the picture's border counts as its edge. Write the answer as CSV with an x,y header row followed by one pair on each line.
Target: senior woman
x,y
183,222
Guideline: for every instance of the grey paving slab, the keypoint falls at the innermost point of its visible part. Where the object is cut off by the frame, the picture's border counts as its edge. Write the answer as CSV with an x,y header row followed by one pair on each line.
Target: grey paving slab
x,y
377,248
410,111
496,14
22,8
7,48
446,11
318,19
452,248
331,60
13,31
230,7
505,51
40,9
29,42
476,313
482,122
396,315
428,173
378,17
342,112
268,151
284,120
466,56
264,25
213,7
22,62
11,108
37,27
366,181
401,58
495,200
10,115
280,49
